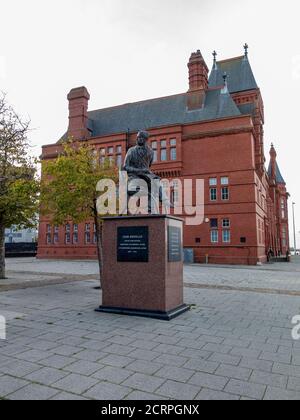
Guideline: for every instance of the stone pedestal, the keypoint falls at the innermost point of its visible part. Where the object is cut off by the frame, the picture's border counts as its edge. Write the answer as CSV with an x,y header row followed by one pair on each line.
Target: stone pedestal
x,y
143,267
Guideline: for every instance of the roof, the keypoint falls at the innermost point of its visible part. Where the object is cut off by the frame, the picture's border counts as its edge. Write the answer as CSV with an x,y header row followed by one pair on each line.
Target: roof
x,y
239,72
171,110
279,177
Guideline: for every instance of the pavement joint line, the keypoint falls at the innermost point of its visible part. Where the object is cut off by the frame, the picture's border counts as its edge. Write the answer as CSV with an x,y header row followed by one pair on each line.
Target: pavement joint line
x,y
242,289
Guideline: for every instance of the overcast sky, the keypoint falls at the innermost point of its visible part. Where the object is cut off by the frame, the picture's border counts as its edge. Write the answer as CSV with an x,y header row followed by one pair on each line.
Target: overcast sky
x,y
128,50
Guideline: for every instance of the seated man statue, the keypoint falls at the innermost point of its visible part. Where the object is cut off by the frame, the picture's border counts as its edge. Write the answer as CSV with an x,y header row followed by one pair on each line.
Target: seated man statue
x,y
137,165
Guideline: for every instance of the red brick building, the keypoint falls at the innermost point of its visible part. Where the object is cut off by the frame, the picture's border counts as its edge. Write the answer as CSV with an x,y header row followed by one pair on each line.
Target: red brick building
x,y
213,132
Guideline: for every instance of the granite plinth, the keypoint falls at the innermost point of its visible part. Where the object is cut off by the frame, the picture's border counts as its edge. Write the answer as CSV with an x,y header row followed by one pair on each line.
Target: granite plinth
x,y
150,283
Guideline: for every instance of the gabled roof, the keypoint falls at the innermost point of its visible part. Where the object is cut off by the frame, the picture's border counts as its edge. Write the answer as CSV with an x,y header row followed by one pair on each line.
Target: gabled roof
x,y
239,72
171,110
279,177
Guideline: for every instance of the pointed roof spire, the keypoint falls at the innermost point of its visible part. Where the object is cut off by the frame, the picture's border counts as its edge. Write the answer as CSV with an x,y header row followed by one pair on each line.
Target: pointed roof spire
x,y
246,48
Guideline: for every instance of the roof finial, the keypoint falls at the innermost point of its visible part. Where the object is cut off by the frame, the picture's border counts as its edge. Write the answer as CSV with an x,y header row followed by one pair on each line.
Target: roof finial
x,y
225,78
215,59
246,47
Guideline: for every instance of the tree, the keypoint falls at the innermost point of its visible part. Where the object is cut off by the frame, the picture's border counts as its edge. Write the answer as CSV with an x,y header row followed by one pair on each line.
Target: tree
x,y
69,187
19,184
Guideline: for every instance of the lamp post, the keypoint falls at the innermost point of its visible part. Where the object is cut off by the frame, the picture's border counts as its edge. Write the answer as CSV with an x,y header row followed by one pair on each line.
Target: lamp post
x,y
294,225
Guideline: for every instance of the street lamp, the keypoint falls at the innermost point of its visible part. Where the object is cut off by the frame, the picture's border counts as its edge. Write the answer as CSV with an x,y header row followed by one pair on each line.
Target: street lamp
x,y
294,225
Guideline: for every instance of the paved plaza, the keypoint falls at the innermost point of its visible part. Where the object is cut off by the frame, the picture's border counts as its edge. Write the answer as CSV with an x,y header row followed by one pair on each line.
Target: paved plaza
x,y
235,343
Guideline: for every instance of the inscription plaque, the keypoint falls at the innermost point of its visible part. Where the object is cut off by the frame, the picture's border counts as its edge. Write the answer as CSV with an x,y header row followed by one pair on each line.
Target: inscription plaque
x,y
174,244
133,244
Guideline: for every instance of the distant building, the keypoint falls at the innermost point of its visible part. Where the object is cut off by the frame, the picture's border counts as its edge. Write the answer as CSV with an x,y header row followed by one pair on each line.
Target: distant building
x,y
214,132
14,235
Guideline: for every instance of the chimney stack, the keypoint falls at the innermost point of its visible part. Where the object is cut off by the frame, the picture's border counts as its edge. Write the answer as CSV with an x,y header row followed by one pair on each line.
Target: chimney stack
x,y
198,81
78,113
198,72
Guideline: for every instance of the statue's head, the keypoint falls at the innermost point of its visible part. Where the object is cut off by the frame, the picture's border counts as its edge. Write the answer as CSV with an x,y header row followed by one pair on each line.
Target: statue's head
x,y
142,138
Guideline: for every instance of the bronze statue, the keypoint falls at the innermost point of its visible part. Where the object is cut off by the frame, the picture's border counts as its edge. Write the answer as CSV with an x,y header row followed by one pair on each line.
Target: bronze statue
x,y
137,164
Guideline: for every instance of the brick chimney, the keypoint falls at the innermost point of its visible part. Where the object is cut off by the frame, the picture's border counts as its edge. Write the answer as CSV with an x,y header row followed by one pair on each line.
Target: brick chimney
x,y
78,108
198,81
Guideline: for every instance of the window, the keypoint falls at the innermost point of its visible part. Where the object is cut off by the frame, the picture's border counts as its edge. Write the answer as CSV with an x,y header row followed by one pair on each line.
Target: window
x,y
87,227
102,152
68,228
68,238
87,237
224,180
225,193
49,229
213,182
173,153
110,150
213,194
214,223
282,208
226,223
75,228
154,148
56,234
214,235
163,144
243,240
119,161
95,237
119,149
49,241
75,238
173,150
226,236
198,240
163,150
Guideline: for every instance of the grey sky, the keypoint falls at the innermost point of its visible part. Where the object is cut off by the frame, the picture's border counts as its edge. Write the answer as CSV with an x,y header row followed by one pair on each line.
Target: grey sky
x,y
127,50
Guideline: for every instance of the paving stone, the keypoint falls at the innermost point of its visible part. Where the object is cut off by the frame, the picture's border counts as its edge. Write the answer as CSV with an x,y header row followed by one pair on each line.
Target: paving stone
x,y
33,355
46,376
175,373
147,355
8,385
107,391
169,349
294,384
202,365
271,379
279,394
211,395
65,396
58,362
90,355
205,380
33,392
66,350
225,358
144,344
77,384
256,364
119,350
143,366
84,367
112,374
171,360
276,357
245,389
143,382
117,361
288,370
19,368
234,372
143,396
178,390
